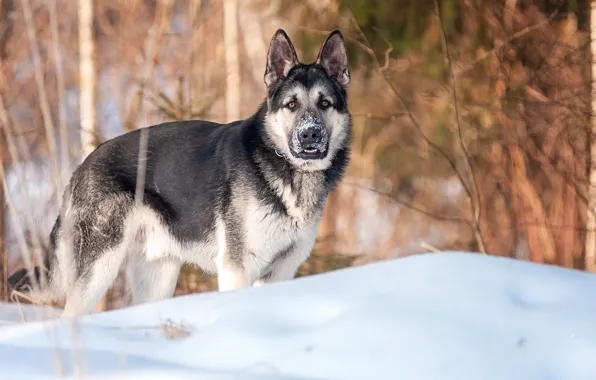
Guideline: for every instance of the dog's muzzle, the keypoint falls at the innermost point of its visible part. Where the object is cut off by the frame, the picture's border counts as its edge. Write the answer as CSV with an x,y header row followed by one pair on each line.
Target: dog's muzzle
x,y
310,140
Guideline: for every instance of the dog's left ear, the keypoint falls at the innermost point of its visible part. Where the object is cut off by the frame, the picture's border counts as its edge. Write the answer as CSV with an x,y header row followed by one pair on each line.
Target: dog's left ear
x,y
334,58
281,57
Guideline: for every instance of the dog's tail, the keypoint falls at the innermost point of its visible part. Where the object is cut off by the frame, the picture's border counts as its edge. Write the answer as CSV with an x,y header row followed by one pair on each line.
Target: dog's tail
x,y
37,283
23,282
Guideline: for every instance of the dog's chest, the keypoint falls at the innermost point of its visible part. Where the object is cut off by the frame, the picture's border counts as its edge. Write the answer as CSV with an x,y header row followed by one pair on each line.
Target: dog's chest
x,y
269,232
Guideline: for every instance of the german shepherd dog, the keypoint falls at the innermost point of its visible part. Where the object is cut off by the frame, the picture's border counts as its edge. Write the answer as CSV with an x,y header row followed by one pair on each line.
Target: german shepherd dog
x,y
241,200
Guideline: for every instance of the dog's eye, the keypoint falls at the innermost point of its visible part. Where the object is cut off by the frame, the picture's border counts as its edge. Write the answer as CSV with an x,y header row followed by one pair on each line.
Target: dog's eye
x,y
324,104
291,105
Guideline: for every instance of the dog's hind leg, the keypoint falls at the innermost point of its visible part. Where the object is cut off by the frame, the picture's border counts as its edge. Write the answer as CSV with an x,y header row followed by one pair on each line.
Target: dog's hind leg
x,y
94,247
153,280
91,285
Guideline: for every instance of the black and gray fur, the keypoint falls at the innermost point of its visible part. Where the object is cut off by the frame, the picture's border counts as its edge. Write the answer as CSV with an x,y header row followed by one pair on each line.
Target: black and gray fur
x,y
243,200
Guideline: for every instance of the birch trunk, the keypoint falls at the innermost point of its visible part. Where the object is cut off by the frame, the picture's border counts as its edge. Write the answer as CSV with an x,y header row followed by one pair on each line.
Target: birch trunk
x,y
252,37
88,86
88,80
61,87
590,255
230,26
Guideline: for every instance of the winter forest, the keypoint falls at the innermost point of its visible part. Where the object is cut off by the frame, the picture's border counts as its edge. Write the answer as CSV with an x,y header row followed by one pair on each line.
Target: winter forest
x,y
473,119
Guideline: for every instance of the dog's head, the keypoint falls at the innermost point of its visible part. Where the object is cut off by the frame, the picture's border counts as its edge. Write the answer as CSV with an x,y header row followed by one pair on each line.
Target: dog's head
x,y
307,119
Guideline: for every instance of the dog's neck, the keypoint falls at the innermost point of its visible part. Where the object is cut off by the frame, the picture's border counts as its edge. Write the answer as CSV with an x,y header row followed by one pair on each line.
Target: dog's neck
x,y
301,191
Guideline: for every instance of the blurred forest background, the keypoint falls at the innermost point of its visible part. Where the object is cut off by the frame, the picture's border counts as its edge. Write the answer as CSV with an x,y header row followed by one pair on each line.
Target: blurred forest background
x,y
473,119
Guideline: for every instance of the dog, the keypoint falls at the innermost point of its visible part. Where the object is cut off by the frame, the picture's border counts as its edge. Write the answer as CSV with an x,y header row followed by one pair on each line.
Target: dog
x,y
241,200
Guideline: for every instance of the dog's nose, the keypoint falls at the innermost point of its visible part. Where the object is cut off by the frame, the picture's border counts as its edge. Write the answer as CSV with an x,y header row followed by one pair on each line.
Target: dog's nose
x,y
312,135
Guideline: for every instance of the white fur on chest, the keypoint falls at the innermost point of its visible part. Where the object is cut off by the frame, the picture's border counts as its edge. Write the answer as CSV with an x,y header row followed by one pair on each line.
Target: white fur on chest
x,y
268,233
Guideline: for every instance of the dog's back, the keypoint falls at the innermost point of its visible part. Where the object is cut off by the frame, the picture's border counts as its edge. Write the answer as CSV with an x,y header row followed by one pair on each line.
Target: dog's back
x,y
188,166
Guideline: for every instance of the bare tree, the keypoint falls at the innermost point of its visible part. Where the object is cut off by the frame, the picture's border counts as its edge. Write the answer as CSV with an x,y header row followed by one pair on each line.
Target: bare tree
x,y
474,196
253,42
153,44
88,77
61,87
88,88
590,254
230,9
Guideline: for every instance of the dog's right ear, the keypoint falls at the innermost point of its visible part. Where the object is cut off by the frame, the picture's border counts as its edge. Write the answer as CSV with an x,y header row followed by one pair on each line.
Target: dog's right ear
x,y
281,57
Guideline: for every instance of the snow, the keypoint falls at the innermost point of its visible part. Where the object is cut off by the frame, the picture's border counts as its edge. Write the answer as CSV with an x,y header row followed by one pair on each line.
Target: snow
x,y
451,315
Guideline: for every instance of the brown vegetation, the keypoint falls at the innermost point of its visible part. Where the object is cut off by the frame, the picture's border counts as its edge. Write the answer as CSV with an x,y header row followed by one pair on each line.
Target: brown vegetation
x,y
471,118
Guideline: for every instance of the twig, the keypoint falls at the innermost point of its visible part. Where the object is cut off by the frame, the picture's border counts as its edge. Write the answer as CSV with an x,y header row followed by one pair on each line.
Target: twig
x,y
407,204
429,247
15,158
14,299
387,61
500,45
154,37
43,100
361,45
402,101
141,165
18,228
475,199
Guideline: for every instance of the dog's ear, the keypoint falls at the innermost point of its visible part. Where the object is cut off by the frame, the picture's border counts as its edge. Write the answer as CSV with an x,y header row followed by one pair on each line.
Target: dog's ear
x,y
334,58
281,57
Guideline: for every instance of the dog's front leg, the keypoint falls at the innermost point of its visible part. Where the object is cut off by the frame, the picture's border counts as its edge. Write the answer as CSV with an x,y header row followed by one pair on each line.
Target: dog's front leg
x,y
231,277
231,273
284,268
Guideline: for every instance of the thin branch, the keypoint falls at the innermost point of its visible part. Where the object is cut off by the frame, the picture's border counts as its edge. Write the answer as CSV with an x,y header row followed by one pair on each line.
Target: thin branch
x,y
407,204
378,117
475,199
396,93
429,247
43,100
501,44
387,59
403,103
15,158
22,241
141,166
154,37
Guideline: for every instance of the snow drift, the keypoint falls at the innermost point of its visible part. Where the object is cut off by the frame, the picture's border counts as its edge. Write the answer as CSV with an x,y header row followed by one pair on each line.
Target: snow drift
x,y
451,315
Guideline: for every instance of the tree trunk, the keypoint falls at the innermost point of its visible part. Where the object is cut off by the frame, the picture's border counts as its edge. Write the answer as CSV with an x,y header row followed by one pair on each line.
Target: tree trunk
x,y
88,79
252,37
230,27
590,255
88,88
61,87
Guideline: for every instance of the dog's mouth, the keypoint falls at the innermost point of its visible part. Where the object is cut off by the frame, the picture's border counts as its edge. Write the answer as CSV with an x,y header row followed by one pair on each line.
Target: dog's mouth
x,y
311,153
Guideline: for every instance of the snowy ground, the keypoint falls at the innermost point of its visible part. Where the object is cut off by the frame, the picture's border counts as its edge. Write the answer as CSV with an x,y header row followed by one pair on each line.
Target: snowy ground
x,y
437,316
